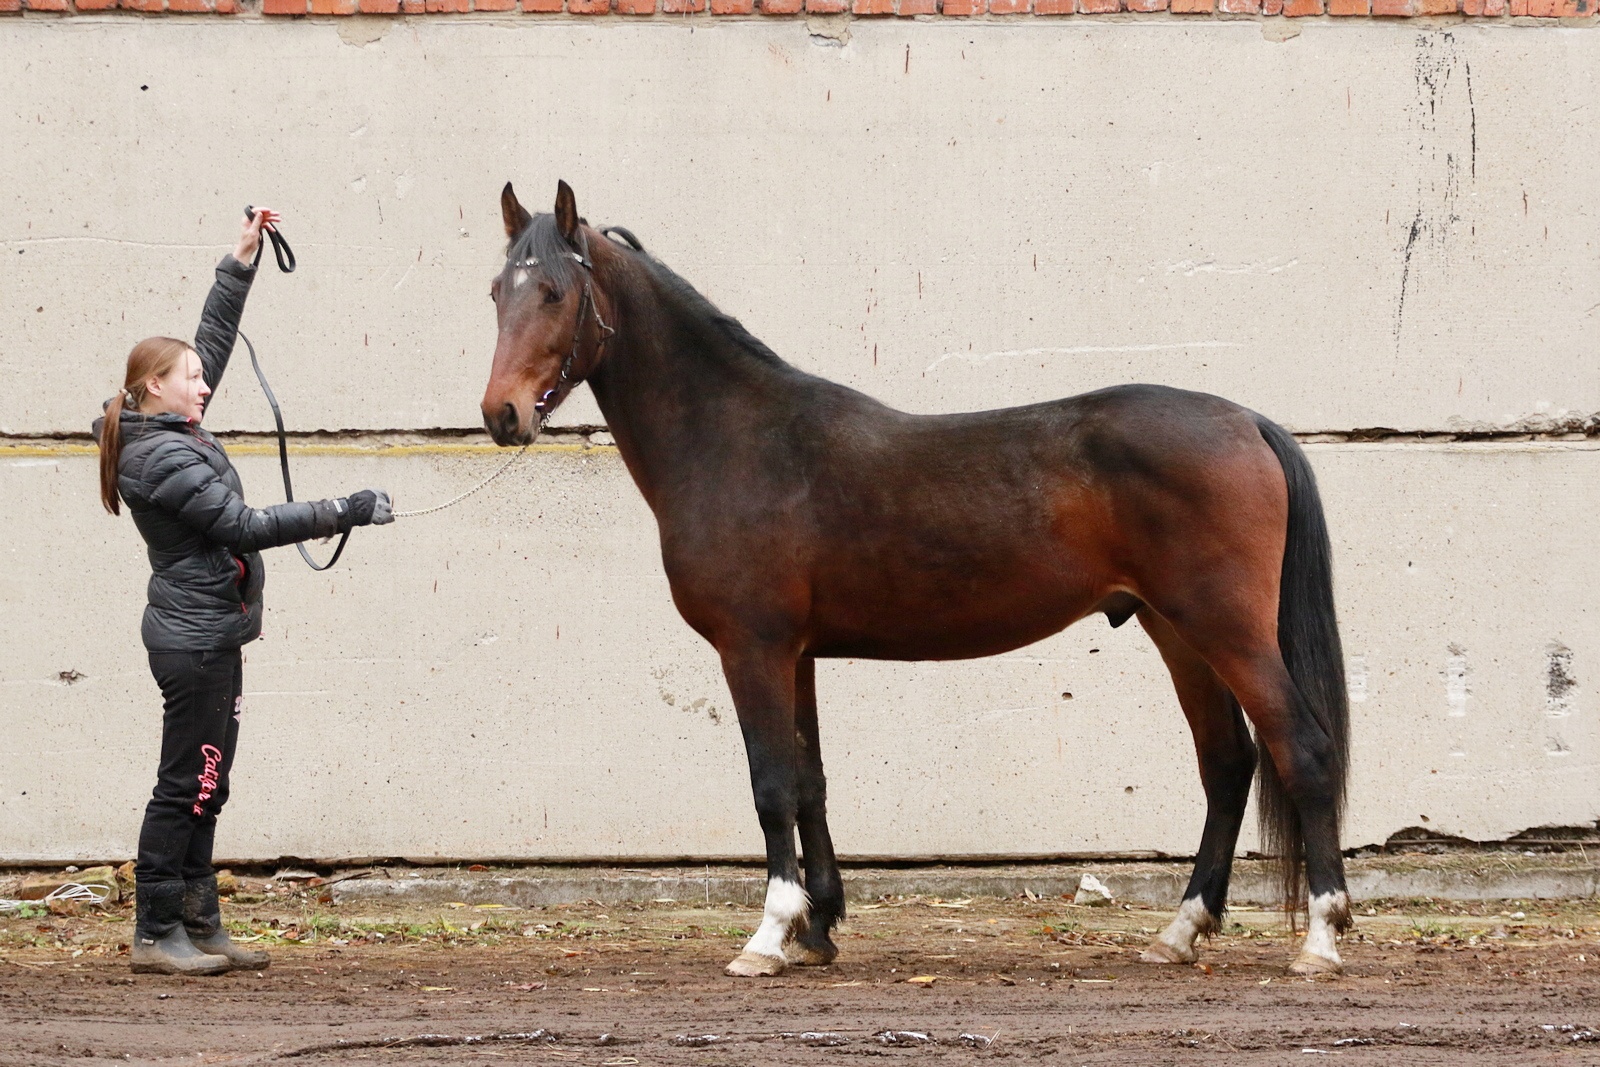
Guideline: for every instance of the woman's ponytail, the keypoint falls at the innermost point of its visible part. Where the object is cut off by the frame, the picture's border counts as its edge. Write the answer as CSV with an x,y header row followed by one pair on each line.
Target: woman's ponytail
x,y
111,452
154,357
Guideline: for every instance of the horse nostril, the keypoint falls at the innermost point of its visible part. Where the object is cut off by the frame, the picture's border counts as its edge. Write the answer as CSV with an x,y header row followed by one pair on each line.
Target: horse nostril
x,y
508,417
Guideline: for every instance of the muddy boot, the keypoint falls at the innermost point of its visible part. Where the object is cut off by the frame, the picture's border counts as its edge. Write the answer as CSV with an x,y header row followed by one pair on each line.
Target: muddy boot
x,y
160,943
202,917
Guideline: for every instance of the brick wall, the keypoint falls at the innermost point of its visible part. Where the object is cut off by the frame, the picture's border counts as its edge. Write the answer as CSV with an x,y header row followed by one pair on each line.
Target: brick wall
x,y
1477,9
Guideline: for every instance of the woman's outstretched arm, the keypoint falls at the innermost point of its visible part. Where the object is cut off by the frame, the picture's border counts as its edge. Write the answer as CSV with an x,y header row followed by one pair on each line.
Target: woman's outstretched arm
x,y
219,321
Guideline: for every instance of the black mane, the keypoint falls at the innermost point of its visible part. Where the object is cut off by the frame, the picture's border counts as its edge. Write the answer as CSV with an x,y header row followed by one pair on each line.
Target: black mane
x,y
702,312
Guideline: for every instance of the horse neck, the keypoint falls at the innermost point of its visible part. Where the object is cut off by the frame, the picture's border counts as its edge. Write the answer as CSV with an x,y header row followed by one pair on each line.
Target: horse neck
x,y
674,389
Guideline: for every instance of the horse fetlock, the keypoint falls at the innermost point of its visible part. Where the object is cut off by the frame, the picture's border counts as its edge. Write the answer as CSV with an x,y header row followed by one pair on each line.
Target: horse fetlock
x,y
1330,915
811,953
1176,943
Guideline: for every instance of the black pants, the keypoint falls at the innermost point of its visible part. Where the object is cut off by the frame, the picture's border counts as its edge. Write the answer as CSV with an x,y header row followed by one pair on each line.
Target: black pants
x,y
199,730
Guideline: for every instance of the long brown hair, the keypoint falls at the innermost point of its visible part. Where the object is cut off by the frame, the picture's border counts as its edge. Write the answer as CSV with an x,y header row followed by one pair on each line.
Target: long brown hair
x,y
151,358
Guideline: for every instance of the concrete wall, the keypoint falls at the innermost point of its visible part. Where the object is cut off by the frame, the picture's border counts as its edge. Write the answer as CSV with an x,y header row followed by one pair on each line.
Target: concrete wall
x,y
1363,226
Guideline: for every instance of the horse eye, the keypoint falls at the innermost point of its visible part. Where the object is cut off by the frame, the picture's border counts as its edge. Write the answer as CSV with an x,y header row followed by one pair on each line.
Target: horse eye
x,y
552,296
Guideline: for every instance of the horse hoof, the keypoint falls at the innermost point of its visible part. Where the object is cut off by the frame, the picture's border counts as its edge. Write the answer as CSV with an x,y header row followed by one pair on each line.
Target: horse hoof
x,y
811,955
756,965
1311,965
1161,952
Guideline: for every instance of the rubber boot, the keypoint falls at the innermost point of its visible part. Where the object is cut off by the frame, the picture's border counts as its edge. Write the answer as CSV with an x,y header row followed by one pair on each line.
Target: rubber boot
x,y
202,918
160,943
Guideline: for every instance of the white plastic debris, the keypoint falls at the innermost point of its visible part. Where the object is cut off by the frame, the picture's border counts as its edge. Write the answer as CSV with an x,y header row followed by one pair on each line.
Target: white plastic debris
x,y
1092,893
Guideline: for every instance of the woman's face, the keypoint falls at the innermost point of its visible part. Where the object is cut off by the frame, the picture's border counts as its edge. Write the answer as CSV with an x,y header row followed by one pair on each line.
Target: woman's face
x,y
181,391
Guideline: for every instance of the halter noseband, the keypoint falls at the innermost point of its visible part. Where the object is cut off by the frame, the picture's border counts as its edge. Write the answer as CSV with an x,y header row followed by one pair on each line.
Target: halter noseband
x,y
586,304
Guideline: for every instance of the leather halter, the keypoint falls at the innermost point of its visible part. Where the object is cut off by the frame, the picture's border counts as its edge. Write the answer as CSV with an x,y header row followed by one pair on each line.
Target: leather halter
x,y
586,305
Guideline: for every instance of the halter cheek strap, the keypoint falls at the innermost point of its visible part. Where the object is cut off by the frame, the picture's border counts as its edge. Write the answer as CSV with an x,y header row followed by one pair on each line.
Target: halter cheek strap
x,y
586,305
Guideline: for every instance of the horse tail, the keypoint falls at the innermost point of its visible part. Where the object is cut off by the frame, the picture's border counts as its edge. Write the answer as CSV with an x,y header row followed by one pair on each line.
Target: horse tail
x,y
1308,639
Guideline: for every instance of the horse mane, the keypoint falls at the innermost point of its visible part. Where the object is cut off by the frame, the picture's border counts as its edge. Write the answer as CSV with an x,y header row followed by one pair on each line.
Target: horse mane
x,y
701,312
541,241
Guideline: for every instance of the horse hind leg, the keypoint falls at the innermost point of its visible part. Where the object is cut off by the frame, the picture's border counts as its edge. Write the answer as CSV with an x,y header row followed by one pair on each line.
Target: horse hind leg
x,y
1227,758
813,945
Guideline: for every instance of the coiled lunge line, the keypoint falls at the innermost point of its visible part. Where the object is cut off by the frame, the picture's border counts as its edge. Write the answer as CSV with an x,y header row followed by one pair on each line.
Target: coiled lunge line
x,y
286,263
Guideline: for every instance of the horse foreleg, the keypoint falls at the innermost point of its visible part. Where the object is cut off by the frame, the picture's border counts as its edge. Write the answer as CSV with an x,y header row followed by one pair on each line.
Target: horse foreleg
x,y
815,946
762,682
1227,757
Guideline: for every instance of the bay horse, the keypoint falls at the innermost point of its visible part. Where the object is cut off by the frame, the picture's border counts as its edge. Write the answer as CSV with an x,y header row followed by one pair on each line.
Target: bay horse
x,y
800,519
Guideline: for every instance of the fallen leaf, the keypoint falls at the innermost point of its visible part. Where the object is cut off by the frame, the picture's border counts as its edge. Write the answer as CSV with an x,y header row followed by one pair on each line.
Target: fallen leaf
x,y
477,867
923,980
438,989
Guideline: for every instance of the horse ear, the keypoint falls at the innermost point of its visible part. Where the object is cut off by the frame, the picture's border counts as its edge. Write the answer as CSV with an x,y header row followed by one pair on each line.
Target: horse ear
x,y
567,212
516,216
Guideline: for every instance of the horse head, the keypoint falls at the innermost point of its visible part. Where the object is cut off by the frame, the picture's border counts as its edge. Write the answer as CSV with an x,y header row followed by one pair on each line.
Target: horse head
x,y
552,317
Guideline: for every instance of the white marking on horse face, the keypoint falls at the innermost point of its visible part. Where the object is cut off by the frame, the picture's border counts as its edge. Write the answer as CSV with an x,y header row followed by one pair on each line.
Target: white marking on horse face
x,y
1193,919
786,902
1325,909
520,278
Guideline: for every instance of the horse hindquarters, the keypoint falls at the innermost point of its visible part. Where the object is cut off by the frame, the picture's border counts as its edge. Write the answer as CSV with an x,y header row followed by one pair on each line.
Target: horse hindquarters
x,y
1262,618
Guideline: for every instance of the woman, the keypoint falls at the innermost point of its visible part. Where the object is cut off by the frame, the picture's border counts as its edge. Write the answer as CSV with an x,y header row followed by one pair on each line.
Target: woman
x,y
204,543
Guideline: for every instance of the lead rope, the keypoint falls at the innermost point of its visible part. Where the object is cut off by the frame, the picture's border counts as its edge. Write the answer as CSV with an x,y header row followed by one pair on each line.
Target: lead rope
x,y
459,498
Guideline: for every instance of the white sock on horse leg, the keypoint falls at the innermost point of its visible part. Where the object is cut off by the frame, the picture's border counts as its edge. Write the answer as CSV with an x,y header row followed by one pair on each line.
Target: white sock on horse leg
x,y
1193,919
1328,911
786,902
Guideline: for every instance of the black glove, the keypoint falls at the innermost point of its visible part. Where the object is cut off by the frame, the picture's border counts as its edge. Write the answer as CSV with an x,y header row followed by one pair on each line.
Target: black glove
x,y
368,507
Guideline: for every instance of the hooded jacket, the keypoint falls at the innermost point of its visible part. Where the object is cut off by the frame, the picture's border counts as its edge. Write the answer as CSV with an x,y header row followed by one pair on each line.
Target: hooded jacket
x,y
187,501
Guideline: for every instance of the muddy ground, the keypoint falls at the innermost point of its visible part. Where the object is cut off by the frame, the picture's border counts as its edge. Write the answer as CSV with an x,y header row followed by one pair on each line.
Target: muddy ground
x,y
931,981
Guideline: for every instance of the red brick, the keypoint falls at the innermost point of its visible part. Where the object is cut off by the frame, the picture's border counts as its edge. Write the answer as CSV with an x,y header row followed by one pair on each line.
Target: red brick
x,y
1272,7
827,7
1295,9
46,5
1044,7
81,5
1099,7
1147,5
10,5
1559,9
1349,7
918,7
585,7
227,7
782,7
636,7
1439,7
683,7
961,8
147,6
1193,7
283,7
1239,7
733,7
186,7
1394,8
494,5
541,7
413,7
1491,8
1008,7
333,7
378,7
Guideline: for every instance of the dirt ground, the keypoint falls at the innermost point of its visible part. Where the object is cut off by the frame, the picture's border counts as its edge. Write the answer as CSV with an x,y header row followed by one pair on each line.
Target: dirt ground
x,y
936,981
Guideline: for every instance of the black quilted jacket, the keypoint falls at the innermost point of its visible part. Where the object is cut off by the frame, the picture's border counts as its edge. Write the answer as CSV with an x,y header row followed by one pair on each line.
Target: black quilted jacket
x,y
187,501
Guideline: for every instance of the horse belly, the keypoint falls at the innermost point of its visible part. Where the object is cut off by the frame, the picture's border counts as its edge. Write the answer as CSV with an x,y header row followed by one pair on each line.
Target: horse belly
x,y
945,620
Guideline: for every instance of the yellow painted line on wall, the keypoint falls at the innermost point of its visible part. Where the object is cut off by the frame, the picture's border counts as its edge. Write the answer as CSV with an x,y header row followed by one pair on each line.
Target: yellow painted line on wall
x,y
63,449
